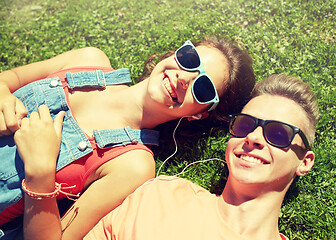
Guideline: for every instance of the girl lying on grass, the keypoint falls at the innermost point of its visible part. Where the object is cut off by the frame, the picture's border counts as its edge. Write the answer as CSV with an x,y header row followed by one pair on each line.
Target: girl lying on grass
x,y
102,119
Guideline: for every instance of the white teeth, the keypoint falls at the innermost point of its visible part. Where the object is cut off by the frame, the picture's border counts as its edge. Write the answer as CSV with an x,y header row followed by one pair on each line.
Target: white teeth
x,y
250,159
166,83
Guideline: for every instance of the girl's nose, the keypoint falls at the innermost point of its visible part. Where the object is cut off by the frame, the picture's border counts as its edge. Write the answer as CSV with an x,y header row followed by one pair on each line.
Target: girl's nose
x,y
184,84
185,78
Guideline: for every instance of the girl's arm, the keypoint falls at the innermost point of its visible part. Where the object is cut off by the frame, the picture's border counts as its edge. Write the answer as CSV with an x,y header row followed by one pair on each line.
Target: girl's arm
x,y
20,76
119,178
11,108
38,143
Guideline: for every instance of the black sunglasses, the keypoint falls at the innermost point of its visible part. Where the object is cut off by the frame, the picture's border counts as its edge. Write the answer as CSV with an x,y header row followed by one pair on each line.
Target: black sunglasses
x,y
203,89
276,133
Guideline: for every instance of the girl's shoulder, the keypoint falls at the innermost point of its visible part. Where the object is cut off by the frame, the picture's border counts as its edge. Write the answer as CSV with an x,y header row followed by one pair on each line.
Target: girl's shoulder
x,y
61,73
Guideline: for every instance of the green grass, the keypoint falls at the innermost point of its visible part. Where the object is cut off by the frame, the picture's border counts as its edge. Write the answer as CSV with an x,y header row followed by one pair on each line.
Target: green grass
x,y
292,36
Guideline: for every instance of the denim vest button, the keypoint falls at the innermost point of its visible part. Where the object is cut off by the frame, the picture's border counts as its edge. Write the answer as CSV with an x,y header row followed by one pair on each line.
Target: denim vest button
x,y
53,83
82,145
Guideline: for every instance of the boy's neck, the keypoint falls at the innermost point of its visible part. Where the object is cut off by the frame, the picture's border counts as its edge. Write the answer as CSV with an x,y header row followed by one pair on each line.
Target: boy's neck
x,y
253,217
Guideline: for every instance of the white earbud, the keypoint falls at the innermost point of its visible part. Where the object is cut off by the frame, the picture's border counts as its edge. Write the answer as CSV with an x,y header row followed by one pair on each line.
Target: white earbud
x,y
197,116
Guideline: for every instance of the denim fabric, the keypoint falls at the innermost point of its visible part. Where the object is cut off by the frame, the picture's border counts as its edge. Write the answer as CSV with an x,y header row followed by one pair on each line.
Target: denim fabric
x,y
75,143
13,234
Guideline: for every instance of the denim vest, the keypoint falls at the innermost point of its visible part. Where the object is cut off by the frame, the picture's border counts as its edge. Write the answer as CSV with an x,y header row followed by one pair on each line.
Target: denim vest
x,y
75,143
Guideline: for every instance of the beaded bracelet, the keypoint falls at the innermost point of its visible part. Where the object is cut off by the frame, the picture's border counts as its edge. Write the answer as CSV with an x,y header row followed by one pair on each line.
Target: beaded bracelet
x,y
55,193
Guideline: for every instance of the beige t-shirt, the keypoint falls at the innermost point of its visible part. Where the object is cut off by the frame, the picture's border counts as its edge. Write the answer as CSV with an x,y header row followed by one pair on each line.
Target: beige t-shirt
x,y
165,208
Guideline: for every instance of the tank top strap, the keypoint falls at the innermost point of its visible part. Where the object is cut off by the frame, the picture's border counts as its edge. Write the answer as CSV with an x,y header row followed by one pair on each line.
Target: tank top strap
x,y
123,136
98,78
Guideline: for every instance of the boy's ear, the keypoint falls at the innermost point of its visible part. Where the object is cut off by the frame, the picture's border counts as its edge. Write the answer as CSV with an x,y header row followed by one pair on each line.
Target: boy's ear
x,y
198,116
306,164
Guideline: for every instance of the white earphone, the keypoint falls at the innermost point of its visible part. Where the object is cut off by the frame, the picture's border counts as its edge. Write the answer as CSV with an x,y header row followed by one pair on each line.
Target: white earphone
x,y
197,116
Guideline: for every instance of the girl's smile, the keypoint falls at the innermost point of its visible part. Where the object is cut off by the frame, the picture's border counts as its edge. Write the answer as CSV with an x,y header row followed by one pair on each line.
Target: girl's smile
x,y
171,90
170,86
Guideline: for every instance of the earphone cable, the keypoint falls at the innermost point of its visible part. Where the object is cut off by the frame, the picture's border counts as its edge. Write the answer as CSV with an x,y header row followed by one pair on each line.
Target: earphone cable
x,y
164,162
174,139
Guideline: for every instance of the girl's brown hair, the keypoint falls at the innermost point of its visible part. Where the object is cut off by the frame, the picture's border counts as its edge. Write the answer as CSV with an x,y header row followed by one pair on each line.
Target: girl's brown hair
x,y
233,97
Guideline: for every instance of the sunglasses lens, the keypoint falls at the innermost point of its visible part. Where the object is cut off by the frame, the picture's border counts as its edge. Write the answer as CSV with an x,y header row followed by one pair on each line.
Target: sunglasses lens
x,y
188,57
203,89
242,125
278,134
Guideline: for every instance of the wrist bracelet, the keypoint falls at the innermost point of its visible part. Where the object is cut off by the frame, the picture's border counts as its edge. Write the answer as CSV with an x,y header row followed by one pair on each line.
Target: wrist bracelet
x,y
55,193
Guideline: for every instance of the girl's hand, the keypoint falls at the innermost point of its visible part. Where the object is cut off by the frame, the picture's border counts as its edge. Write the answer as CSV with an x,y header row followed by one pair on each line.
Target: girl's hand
x,y
12,111
38,142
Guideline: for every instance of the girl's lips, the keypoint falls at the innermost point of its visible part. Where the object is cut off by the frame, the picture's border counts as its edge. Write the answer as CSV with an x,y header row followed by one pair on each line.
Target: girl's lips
x,y
170,89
